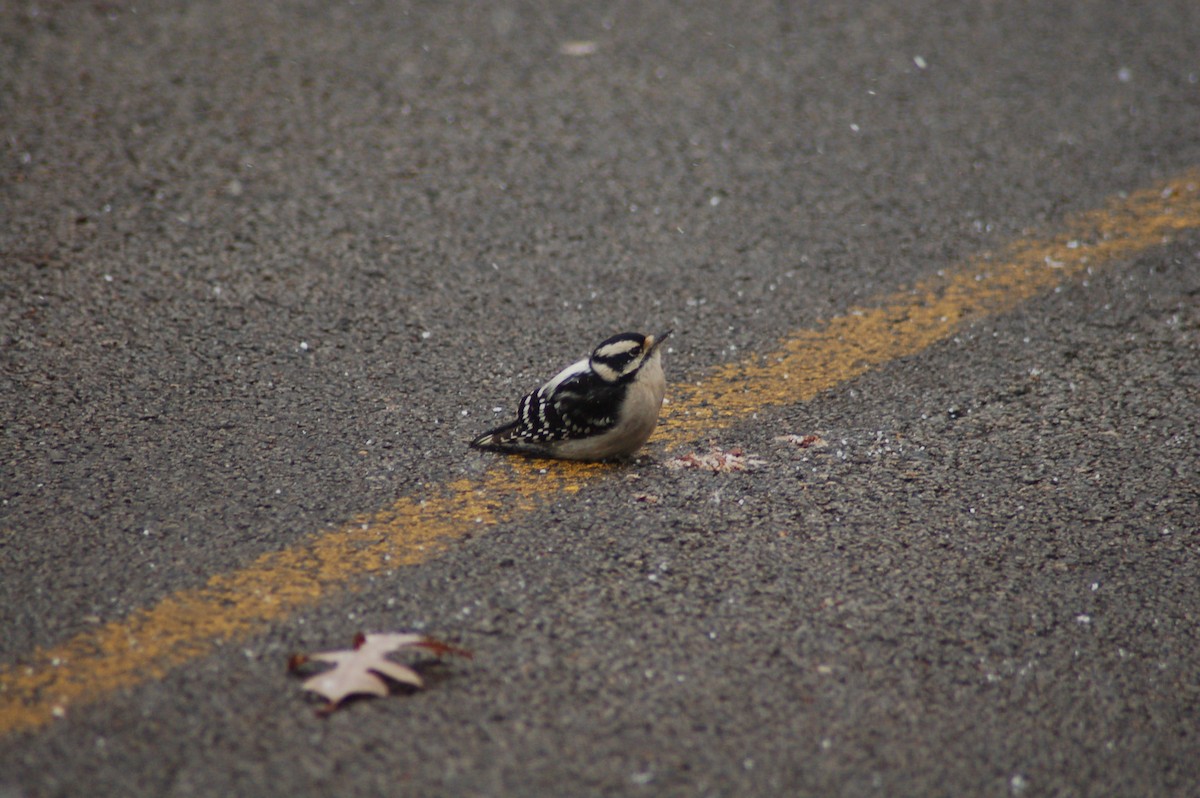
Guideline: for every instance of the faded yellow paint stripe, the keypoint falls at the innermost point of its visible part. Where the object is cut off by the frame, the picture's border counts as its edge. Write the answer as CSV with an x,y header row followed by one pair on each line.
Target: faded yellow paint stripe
x,y
811,361
236,605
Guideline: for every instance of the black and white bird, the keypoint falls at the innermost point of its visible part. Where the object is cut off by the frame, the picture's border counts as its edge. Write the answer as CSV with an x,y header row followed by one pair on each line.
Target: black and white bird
x,y
602,407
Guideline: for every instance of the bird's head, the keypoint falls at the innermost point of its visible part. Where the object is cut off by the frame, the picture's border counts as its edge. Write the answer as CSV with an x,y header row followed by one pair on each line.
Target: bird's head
x,y
622,356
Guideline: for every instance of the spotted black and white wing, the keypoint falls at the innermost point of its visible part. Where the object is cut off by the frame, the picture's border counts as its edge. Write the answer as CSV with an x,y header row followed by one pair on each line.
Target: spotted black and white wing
x,y
575,404
579,405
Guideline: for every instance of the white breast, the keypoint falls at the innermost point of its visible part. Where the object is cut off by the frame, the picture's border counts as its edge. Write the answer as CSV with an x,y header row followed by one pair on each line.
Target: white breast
x,y
638,418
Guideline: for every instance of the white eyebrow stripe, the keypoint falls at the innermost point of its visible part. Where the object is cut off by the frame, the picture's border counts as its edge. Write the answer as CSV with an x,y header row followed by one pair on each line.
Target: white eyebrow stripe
x,y
618,348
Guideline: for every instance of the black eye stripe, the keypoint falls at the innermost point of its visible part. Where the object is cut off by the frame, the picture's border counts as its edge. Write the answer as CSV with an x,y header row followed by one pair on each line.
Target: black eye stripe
x,y
624,357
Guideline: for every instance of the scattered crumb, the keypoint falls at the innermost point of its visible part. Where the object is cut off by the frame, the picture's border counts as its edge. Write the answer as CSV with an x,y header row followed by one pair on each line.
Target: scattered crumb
x,y
804,441
717,461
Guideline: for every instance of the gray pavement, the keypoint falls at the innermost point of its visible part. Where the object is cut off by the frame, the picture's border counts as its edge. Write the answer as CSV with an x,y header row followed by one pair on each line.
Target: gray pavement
x,y
267,267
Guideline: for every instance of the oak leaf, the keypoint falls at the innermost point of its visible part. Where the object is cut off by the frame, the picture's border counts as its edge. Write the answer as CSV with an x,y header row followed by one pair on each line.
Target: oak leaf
x,y
359,671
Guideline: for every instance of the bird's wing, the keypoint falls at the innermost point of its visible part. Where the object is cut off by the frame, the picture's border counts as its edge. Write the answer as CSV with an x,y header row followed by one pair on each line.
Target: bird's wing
x,y
585,406
575,404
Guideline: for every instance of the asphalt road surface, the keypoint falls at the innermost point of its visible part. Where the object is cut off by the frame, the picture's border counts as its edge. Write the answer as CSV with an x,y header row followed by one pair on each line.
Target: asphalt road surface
x,y
267,267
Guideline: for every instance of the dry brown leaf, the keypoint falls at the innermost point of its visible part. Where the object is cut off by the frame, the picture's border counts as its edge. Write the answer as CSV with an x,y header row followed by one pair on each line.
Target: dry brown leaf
x,y
358,671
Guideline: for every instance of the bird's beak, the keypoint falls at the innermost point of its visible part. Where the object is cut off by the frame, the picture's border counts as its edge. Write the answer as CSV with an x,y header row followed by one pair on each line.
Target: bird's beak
x,y
653,341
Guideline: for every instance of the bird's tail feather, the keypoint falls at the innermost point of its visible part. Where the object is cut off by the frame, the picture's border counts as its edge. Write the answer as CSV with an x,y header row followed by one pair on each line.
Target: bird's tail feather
x,y
497,438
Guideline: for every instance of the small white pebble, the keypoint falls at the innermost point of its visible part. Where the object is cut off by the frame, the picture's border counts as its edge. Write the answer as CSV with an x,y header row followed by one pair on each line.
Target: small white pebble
x,y
920,62
577,49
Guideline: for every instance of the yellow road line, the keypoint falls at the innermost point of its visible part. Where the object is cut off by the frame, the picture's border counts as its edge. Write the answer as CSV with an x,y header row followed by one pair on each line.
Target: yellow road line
x,y
811,361
235,605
